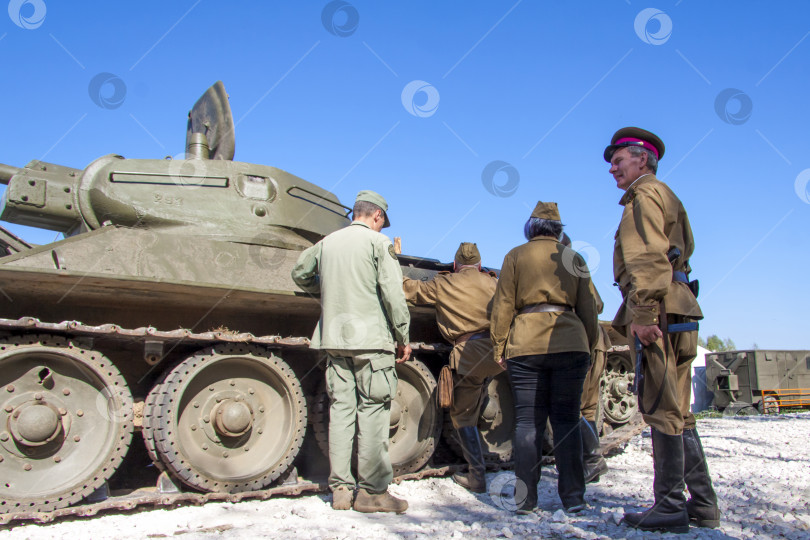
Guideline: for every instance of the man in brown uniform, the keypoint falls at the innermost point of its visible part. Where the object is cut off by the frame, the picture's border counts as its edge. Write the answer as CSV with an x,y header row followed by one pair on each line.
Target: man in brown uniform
x,y
463,300
651,266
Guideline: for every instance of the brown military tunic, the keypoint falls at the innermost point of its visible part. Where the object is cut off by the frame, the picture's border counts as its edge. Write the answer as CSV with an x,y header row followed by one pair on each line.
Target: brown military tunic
x,y
543,271
654,221
463,300
590,388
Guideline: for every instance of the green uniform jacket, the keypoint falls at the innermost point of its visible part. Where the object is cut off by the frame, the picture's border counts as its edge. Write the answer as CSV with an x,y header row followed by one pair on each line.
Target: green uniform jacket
x,y
359,279
543,271
653,221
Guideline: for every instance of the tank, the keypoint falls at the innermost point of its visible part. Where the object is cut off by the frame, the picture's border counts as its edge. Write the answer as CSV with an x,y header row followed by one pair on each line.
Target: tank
x,y
162,341
617,402
763,381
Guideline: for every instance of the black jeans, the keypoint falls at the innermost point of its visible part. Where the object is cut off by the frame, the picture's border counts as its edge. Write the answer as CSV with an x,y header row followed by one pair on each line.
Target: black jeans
x,y
548,386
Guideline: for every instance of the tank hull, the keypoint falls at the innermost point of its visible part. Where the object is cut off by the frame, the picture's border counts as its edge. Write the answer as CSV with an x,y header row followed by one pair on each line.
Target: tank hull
x,y
136,278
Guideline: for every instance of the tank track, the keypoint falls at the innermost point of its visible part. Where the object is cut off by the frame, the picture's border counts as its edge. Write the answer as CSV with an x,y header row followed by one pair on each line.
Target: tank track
x,y
151,497
613,443
77,328
143,499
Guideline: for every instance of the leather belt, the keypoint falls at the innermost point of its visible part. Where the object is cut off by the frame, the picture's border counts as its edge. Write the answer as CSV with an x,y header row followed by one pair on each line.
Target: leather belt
x,y
544,308
471,335
682,327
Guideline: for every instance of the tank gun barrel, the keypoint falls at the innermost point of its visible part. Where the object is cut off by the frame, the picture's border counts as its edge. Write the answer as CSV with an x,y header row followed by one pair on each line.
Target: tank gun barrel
x,y
6,172
156,193
40,195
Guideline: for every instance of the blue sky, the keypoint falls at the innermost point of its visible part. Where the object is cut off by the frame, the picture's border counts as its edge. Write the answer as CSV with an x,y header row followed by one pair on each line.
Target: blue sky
x,y
317,89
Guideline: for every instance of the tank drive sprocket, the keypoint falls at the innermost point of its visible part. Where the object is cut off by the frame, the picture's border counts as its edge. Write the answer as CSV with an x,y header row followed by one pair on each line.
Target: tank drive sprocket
x,y
66,422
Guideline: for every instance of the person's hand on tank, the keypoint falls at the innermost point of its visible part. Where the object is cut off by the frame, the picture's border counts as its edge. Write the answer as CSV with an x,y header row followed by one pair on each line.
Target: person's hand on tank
x,y
403,353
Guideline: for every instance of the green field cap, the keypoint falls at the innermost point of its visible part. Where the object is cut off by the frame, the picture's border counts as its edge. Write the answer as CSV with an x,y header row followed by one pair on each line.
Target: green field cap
x,y
375,198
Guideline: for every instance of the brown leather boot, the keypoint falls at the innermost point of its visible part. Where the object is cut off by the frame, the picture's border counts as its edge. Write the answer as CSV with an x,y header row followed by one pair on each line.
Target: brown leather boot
x,y
378,502
470,481
342,498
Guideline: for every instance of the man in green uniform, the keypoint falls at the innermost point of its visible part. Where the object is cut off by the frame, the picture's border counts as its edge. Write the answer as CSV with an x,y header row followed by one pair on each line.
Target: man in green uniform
x,y
364,322
651,267
463,300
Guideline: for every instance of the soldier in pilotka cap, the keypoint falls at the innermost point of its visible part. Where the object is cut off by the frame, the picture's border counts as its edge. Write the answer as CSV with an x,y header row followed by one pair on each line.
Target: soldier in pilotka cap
x,y
544,323
463,299
659,312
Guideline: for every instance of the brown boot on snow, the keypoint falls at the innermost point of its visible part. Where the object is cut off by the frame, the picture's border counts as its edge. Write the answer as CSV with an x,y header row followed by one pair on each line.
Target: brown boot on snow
x,y
471,481
378,502
342,498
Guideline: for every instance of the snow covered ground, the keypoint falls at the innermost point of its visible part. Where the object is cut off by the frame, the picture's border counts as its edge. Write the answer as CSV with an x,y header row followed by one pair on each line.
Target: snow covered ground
x,y
760,467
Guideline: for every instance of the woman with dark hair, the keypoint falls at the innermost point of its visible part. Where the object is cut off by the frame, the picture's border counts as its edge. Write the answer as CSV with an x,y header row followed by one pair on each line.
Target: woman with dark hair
x,y
544,323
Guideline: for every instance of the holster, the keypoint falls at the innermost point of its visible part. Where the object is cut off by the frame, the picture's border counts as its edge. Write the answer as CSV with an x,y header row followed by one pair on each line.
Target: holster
x,y
639,383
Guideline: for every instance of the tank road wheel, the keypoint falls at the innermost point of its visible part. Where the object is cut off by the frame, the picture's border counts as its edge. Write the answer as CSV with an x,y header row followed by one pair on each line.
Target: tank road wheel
x,y
496,423
150,424
230,418
65,422
319,417
618,402
416,420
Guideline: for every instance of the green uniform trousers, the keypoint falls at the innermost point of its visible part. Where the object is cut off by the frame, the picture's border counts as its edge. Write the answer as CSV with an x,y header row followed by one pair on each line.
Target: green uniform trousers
x,y
361,385
473,366
671,376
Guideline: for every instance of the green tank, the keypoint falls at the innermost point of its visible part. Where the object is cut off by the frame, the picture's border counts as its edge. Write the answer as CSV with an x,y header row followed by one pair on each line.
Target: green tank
x,y
168,309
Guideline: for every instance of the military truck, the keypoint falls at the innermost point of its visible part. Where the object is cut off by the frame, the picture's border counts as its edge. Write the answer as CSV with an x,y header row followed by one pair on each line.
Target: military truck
x,y
168,309
758,381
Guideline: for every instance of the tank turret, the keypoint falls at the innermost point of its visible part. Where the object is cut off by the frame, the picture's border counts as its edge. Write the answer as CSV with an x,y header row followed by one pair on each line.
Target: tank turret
x,y
206,193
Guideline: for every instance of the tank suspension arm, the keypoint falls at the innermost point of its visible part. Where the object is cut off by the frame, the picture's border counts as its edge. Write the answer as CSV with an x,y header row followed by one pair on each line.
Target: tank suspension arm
x,y
6,172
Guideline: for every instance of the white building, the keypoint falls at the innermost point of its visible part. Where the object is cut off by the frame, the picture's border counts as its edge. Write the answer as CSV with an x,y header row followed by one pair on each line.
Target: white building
x,y
701,394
